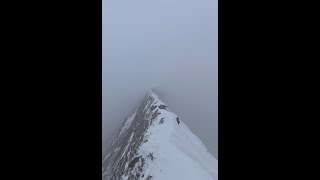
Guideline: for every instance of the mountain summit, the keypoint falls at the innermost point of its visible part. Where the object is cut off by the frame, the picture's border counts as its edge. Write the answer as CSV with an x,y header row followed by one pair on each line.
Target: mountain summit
x,y
155,144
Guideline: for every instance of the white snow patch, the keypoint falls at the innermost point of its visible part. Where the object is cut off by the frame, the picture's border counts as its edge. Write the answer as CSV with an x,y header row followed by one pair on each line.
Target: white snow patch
x,y
128,123
127,145
107,156
116,150
177,152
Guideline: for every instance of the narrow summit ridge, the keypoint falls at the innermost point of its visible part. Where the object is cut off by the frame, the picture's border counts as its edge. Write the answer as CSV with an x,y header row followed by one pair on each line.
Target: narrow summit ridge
x,y
155,144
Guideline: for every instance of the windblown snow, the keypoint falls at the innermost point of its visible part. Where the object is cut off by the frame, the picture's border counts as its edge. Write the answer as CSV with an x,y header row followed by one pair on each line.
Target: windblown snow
x,y
154,144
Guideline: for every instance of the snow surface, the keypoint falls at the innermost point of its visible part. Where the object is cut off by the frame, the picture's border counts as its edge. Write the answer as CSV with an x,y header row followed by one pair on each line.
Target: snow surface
x,y
170,151
178,153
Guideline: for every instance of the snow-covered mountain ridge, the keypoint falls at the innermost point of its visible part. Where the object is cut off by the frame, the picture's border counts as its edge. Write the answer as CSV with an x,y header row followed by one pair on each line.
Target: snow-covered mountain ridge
x,y
154,144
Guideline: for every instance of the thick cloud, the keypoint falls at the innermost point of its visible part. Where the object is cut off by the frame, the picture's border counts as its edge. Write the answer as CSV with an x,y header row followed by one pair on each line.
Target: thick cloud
x,y
171,45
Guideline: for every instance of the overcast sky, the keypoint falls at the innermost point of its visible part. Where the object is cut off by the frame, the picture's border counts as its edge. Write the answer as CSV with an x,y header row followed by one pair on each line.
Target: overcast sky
x,y
169,44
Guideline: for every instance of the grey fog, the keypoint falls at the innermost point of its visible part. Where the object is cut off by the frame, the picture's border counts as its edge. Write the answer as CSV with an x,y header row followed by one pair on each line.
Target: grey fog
x,y
169,45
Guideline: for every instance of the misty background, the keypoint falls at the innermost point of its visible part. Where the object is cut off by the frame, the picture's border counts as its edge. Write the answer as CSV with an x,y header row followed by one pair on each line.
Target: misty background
x,y
168,44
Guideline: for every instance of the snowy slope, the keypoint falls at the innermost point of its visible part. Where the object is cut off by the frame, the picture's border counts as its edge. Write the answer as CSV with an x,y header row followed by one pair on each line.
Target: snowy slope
x,y
155,144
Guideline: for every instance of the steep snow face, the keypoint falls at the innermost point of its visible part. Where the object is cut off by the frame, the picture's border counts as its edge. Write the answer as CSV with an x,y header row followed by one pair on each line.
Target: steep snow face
x,y
155,144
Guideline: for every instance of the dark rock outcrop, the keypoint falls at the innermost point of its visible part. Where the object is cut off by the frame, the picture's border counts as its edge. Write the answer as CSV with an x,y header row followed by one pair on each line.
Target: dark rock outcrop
x,y
162,106
161,121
